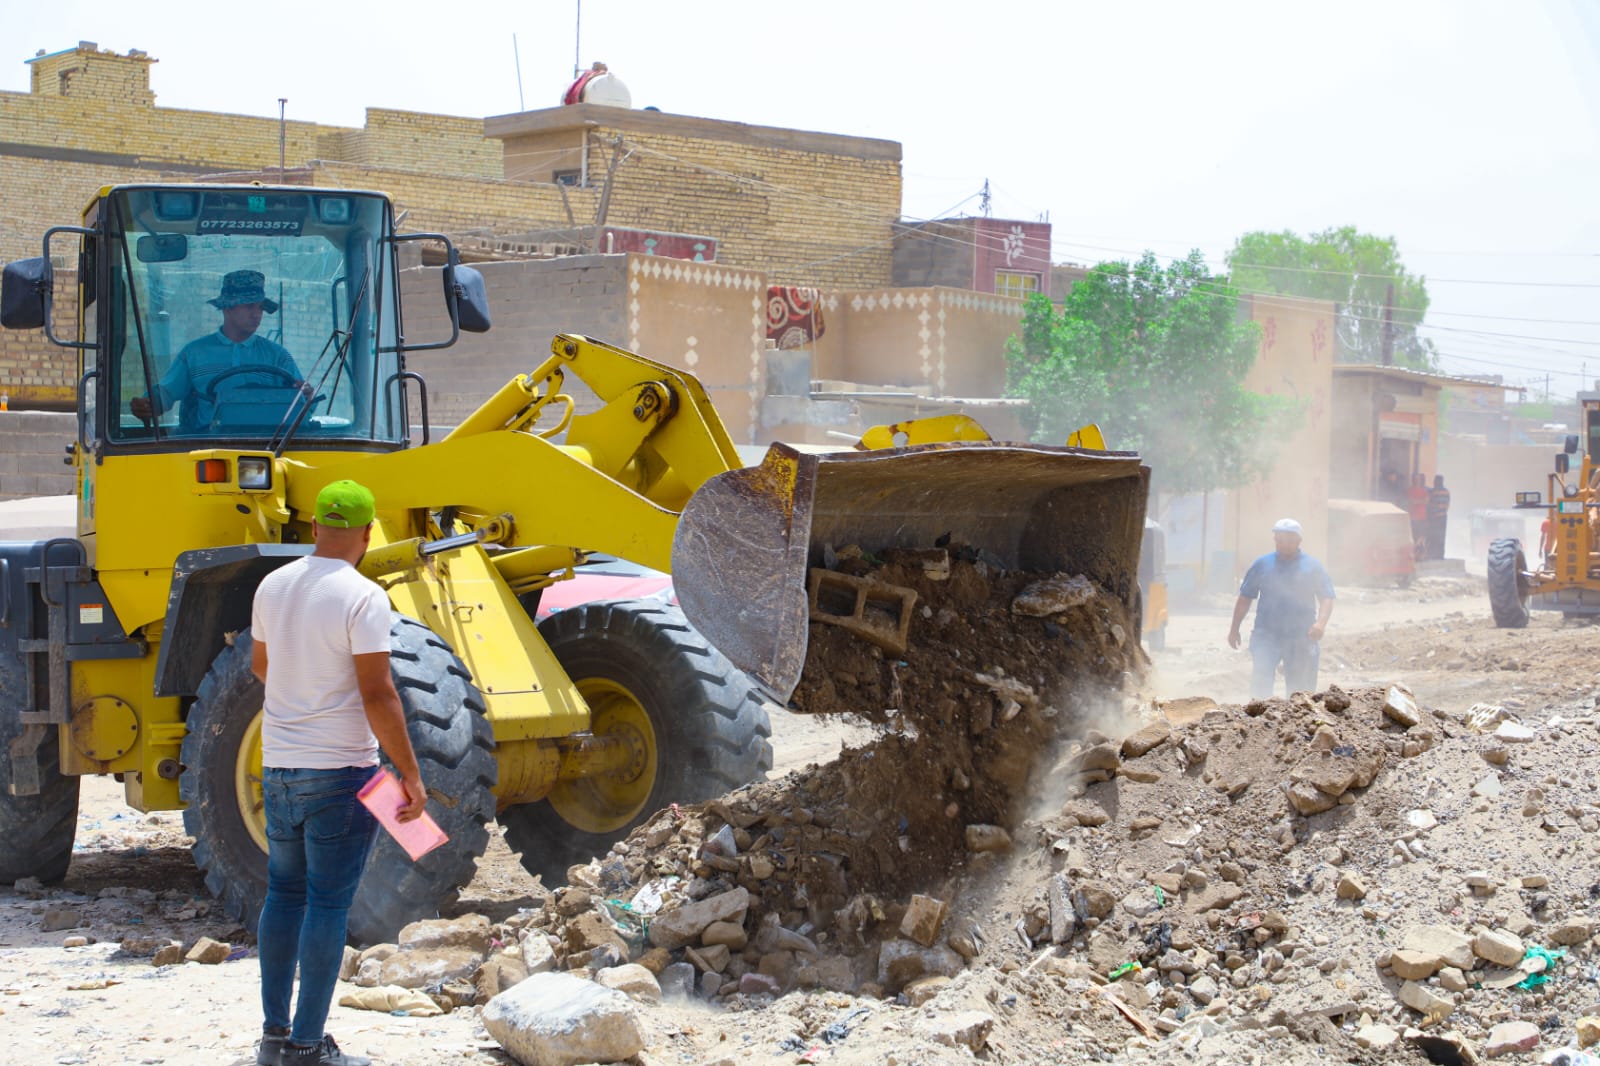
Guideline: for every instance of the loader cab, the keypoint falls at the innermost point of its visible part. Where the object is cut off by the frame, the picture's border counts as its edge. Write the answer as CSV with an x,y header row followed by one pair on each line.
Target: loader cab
x,y
229,316
1591,426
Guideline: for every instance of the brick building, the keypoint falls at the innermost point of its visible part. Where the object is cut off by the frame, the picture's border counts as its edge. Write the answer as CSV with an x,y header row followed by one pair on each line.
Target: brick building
x,y
750,207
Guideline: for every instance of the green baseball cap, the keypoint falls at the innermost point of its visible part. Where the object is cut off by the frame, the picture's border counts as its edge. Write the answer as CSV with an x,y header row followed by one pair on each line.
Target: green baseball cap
x,y
345,505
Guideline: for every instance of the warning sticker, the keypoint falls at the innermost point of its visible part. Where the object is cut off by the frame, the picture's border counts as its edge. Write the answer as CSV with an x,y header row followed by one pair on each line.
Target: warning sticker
x,y
91,614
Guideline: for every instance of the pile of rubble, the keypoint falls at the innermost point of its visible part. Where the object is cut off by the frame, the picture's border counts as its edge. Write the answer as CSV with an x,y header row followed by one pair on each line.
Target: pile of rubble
x,y
1186,882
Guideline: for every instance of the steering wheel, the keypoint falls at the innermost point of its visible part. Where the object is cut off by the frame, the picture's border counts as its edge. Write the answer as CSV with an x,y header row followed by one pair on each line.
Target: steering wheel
x,y
209,393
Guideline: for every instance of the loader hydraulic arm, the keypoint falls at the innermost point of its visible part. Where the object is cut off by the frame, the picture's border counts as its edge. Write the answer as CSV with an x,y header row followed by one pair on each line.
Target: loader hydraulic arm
x,y
655,430
616,484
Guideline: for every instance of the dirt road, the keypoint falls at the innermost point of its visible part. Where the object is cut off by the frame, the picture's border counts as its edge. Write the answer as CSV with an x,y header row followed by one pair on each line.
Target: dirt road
x,y
132,878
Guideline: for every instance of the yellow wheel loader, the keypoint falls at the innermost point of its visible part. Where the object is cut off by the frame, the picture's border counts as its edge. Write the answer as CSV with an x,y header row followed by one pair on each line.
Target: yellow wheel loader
x,y
204,437
1567,575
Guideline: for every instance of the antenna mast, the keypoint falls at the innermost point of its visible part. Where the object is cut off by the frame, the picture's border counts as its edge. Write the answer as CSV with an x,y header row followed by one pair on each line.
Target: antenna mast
x,y
517,58
577,40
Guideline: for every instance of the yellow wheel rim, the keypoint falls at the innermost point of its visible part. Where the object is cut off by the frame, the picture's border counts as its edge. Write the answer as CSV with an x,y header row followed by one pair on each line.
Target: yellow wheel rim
x,y
247,783
607,802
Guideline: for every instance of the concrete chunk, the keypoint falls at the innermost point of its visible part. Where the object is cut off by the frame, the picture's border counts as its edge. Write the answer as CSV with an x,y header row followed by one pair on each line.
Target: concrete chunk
x,y
684,925
556,1019
1447,946
1421,998
208,951
923,919
1498,946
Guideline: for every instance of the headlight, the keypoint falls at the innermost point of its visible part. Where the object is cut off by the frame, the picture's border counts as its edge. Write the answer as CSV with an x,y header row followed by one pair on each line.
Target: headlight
x,y
255,472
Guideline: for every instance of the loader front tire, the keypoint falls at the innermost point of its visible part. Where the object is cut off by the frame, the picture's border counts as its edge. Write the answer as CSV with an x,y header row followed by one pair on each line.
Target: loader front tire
x,y
647,674
1508,588
36,832
221,785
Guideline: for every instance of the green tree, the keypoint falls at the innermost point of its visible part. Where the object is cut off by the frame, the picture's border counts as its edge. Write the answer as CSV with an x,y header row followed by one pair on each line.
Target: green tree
x,y
1157,356
1353,270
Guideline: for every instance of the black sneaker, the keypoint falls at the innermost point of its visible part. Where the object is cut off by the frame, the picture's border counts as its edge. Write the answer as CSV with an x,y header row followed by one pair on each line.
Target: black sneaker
x,y
272,1041
326,1053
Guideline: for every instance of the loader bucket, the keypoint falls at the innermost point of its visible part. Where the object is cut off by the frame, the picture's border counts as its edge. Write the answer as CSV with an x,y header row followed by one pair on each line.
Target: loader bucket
x,y
748,537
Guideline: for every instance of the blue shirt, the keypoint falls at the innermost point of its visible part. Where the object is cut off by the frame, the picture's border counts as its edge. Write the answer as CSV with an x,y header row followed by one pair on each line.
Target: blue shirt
x,y
1289,590
202,360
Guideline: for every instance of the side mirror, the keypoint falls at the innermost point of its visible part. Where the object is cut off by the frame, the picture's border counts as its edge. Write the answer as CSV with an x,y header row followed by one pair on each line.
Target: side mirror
x,y
1563,463
25,287
1571,447
467,297
162,248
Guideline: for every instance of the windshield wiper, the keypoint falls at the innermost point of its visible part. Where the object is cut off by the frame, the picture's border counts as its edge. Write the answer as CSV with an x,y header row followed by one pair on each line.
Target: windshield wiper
x,y
339,340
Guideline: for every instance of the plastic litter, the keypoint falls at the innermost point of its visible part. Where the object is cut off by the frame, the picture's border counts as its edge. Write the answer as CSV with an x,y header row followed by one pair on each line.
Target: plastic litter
x,y
1124,970
648,899
1547,959
632,926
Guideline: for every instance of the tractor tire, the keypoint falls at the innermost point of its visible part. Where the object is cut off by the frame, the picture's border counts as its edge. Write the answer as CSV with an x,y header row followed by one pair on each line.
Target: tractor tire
x,y
454,745
1508,589
644,670
36,832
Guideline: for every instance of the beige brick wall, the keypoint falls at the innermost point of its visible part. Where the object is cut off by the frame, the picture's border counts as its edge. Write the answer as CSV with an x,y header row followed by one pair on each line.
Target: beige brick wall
x,y
808,209
86,71
802,213
804,217
454,204
438,144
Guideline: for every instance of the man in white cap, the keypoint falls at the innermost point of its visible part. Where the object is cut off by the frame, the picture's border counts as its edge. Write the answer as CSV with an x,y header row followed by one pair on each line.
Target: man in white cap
x,y
1296,602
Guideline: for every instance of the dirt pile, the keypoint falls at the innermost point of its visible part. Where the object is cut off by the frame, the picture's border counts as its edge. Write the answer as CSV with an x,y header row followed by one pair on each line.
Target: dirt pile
x,y
998,670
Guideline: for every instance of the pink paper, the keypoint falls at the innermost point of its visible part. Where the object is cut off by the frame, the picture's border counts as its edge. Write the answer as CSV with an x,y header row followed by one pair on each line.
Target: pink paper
x,y
384,797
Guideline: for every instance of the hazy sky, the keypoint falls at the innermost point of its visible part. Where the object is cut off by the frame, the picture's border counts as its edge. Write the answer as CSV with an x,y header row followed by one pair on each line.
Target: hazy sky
x,y
1470,131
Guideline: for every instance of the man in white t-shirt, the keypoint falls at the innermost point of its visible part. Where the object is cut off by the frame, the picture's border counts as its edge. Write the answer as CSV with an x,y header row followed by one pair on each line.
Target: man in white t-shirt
x,y
330,704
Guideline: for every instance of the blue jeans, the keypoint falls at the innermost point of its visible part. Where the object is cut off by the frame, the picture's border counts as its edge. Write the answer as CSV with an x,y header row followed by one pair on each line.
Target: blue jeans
x,y
318,836
1299,654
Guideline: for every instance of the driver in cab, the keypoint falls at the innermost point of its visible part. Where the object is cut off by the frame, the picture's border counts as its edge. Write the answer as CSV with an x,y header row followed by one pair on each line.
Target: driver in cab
x,y
194,374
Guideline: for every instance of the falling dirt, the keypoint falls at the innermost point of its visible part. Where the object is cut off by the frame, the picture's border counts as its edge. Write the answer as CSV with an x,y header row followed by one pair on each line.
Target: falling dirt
x,y
982,699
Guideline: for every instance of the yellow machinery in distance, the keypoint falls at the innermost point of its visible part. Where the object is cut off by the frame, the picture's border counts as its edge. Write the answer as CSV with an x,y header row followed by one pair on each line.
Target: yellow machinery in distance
x,y
1567,577
125,650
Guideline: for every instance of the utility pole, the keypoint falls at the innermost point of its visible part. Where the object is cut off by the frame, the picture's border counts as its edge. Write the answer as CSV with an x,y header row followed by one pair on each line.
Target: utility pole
x,y
983,202
282,100
1388,326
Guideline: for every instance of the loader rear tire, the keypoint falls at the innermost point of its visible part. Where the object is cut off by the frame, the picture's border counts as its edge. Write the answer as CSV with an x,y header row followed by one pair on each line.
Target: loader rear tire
x,y
36,832
221,783
1508,589
646,672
